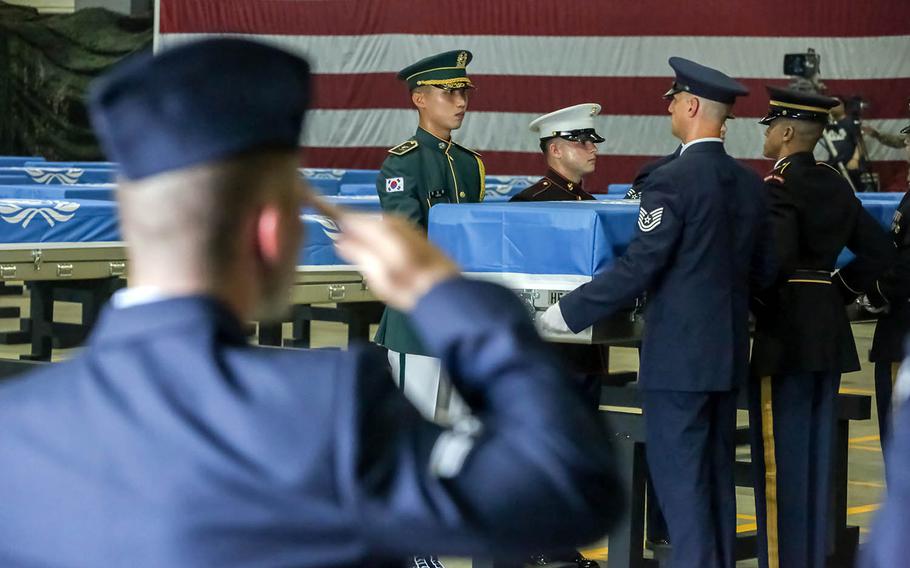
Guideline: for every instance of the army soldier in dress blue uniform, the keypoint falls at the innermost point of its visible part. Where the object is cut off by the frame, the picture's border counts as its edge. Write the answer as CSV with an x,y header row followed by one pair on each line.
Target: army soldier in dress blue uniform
x,y
802,341
699,247
425,170
169,441
888,296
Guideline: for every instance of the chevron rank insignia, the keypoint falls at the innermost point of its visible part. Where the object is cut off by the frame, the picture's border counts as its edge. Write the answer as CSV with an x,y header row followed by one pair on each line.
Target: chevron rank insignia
x,y
394,185
403,148
774,178
648,221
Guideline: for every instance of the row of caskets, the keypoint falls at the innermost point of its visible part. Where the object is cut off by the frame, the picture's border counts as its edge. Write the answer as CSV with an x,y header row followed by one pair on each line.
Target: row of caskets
x,y
36,171
540,250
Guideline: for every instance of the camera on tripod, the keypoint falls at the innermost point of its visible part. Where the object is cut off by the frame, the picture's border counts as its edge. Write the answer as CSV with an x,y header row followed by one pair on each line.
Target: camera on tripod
x,y
805,71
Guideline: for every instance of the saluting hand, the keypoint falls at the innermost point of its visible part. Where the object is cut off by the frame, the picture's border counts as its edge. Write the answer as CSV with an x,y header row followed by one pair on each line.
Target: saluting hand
x,y
397,261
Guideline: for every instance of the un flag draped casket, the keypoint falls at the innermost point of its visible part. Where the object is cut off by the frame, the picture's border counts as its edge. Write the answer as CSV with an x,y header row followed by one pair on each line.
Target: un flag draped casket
x,y
541,250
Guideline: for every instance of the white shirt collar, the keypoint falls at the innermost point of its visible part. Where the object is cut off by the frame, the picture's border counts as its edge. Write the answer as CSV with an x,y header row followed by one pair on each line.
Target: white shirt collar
x,y
698,140
137,296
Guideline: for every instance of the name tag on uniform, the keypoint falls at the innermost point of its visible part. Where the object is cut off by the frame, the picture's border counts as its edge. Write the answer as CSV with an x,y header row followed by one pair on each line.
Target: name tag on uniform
x,y
437,194
393,185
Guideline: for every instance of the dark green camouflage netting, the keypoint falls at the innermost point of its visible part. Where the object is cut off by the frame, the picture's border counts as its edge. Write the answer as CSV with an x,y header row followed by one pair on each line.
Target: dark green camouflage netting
x,y
46,64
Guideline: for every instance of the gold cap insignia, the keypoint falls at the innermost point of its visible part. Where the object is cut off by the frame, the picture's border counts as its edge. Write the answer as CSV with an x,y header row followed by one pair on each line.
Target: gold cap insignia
x,y
462,59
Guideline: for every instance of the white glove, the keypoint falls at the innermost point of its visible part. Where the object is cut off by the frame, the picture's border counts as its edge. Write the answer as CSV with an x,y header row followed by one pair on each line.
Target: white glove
x,y
867,305
551,321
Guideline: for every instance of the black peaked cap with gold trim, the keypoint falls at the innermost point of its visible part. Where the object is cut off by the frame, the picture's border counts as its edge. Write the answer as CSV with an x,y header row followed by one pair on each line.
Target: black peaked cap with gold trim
x,y
445,70
797,105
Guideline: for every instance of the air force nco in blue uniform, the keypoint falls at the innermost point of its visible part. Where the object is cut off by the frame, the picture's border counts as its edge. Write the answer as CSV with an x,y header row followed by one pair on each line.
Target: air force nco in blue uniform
x,y
699,247
171,442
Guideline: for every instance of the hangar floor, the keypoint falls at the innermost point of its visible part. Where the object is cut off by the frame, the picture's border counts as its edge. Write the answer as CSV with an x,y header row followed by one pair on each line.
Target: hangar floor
x,y
865,459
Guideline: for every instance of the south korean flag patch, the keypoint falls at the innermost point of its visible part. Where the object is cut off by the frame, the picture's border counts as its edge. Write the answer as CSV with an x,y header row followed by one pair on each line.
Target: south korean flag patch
x,y
394,185
648,221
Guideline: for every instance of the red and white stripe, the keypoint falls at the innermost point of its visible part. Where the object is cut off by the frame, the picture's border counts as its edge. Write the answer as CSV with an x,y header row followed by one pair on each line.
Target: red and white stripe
x,y
534,56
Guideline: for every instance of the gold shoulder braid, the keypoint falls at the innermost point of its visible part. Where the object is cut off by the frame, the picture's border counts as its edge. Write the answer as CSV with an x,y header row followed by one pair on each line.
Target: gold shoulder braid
x,y
403,148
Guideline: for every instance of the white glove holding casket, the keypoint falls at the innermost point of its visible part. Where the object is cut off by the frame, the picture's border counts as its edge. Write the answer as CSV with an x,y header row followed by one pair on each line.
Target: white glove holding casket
x,y
552,321
870,307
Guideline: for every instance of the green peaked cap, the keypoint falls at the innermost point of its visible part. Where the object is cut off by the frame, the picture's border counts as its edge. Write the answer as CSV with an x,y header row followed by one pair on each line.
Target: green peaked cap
x,y
446,70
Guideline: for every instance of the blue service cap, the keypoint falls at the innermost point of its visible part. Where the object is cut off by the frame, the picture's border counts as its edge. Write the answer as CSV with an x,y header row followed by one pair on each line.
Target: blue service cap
x,y
200,102
706,82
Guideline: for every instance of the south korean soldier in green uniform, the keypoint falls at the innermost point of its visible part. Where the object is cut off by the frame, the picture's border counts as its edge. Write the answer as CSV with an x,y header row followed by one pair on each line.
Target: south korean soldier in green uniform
x,y
423,171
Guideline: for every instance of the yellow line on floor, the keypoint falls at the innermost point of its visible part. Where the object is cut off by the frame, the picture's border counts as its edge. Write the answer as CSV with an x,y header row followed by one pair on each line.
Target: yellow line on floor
x,y
873,438
875,449
850,390
874,484
596,553
859,510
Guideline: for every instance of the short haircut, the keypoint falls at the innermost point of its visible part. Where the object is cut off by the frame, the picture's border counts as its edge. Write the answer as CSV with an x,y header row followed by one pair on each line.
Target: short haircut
x,y
806,132
715,110
193,214
545,143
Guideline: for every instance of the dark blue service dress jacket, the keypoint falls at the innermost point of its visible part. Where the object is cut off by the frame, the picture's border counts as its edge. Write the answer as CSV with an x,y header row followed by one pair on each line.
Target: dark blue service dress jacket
x,y
171,442
703,239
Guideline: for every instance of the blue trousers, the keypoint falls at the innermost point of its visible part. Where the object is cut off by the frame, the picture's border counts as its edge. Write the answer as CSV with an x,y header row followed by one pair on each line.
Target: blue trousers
x,y
885,375
690,448
792,421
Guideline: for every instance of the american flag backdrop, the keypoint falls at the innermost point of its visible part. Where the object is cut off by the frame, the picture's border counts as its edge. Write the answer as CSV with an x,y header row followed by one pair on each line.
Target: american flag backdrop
x,y
534,56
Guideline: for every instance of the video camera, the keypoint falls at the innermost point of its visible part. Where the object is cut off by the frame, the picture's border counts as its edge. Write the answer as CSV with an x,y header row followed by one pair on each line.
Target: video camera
x,y
805,70
856,106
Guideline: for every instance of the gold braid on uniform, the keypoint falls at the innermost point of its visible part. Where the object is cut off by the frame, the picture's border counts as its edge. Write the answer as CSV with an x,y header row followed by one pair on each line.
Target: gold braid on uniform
x,y
483,177
770,455
446,82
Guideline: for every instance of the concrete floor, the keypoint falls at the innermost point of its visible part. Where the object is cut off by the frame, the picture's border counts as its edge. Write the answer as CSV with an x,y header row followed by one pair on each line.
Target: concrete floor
x,y
865,469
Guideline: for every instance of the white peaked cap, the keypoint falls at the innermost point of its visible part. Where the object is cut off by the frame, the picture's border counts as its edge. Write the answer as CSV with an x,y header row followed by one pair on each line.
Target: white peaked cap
x,y
576,117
